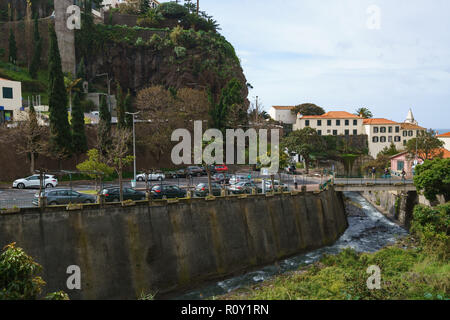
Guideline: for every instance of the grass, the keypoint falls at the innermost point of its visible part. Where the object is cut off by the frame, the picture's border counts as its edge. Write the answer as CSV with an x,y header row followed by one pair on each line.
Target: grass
x,y
91,192
405,274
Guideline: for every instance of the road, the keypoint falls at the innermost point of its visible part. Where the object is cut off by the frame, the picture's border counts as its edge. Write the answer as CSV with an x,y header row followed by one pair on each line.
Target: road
x,y
10,198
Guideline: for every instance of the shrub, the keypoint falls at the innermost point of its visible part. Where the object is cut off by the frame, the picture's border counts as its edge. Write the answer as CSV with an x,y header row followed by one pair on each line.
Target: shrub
x,y
172,10
180,52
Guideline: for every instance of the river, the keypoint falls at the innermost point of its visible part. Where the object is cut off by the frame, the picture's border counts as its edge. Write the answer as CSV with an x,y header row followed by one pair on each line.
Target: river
x,y
368,231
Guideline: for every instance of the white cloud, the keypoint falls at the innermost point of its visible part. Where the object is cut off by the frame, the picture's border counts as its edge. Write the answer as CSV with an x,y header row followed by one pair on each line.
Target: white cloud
x,y
321,51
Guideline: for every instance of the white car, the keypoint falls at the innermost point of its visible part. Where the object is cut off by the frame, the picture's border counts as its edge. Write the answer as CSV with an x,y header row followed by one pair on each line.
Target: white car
x,y
151,177
33,181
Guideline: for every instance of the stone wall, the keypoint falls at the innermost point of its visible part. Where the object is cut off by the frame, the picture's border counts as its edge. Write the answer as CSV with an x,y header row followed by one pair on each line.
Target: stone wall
x,y
396,205
162,248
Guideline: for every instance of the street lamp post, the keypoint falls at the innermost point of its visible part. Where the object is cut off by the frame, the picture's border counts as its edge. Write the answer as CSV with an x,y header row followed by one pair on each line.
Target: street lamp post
x,y
134,143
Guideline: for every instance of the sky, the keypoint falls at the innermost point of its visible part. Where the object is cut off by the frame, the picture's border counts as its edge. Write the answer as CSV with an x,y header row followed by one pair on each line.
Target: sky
x,y
386,55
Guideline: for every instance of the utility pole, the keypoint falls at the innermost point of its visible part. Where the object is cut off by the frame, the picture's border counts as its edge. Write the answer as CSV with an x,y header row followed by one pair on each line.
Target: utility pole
x,y
134,144
198,6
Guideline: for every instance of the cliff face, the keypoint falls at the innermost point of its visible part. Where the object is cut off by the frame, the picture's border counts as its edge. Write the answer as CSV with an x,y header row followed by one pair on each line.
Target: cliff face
x,y
43,8
141,57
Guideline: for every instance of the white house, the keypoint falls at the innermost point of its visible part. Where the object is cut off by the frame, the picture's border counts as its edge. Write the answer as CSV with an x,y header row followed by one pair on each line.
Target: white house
x,y
10,100
283,114
332,123
446,138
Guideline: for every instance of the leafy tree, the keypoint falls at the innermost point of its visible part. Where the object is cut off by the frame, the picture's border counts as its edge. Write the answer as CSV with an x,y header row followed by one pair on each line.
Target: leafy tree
x,y
60,135
303,142
36,60
144,6
79,141
19,276
308,109
364,113
426,145
390,151
433,178
12,47
104,128
95,164
172,10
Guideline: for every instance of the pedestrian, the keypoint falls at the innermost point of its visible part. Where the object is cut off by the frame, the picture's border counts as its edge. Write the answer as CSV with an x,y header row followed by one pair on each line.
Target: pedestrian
x,y
374,171
403,175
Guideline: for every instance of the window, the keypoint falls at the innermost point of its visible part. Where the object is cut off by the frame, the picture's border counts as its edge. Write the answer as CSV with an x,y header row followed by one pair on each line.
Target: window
x,y
355,132
7,93
375,139
319,132
335,133
307,123
397,138
347,132
329,122
338,122
347,122
405,133
397,129
383,139
410,133
390,139
404,142
383,129
390,129
355,122
319,123
375,129
400,165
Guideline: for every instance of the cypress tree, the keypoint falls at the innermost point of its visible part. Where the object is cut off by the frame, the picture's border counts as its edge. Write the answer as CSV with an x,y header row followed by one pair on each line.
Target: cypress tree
x,y
12,47
104,128
79,142
120,107
60,135
144,6
36,60
128,108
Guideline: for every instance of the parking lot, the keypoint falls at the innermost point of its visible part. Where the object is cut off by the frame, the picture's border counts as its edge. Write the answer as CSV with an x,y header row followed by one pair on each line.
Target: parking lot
x,y
10,198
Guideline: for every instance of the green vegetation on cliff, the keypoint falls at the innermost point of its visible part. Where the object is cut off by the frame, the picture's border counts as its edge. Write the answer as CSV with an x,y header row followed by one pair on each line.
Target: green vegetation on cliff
x,y
415,268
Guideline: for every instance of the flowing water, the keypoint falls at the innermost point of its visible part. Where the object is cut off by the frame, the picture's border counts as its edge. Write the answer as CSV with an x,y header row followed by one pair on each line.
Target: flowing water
x,y
367,232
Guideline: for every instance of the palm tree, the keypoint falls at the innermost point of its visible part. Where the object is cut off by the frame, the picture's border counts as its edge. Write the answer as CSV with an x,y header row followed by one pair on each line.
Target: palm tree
x,y
364,113
71,85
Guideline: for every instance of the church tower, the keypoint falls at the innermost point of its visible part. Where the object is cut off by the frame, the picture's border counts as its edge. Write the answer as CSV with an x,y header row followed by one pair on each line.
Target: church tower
x,y
410,118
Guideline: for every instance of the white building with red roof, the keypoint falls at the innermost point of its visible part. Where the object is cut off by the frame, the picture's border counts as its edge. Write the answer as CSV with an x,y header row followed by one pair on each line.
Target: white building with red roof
x,y
446,138
283,114
332,123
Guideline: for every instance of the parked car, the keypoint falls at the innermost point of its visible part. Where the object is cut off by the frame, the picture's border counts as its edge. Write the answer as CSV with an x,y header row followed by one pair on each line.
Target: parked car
x,y
212,169
113,194
222,178
221,168
34,181
167,192
236,178
195,171
277,184
244,187
62,196
151,177
202,190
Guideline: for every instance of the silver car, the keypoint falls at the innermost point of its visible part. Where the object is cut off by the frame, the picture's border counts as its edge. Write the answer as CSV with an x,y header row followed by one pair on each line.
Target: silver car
x,y
63,196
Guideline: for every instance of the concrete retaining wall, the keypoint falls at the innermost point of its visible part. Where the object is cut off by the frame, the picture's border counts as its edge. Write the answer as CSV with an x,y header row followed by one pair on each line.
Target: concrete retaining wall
x,y
123,252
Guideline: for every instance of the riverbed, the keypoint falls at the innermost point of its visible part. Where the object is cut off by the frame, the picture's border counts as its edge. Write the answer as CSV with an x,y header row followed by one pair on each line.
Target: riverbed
x,y
368,231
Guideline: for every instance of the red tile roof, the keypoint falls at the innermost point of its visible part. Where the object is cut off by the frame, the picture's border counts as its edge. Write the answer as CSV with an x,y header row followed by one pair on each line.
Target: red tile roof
x,y
444,135
410,126
378,121
334,115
